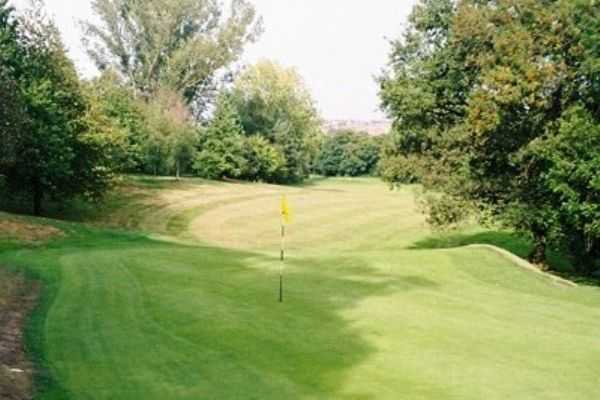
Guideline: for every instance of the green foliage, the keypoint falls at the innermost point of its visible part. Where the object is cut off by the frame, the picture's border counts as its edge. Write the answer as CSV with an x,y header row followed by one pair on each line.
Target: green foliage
x,y
264,162
12,120
156,136
424,89
445,212
56,156
12,113
570,161
123,115
400,169
169,145
424,93
221,145
179,44
348,153
225,152
482,93
273,102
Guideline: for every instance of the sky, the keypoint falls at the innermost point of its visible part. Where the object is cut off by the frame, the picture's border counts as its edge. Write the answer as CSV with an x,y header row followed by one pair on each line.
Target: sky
x,y
338,46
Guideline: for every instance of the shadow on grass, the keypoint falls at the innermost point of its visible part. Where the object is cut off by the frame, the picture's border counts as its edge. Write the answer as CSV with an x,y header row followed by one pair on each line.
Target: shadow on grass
x,y
309,340
168,182
129,193
314,180
203,311
509,241
519,245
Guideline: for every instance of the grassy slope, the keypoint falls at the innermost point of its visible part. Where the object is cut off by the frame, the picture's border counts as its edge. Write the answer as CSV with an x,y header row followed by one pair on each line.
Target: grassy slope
x,y
371,312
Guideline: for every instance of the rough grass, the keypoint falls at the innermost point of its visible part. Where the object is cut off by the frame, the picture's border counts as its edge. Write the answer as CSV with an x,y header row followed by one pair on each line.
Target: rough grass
x,y
373,308
19,229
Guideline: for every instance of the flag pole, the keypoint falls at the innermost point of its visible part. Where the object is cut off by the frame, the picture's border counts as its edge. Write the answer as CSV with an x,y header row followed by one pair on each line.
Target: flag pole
x,y
285,219
281,259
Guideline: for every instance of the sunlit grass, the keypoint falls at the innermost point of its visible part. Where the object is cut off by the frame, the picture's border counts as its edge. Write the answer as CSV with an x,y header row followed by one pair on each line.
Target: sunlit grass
x,y
375,306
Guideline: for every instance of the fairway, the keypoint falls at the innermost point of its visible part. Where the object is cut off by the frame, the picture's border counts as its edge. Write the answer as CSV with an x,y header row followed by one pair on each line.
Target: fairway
x,y
181,303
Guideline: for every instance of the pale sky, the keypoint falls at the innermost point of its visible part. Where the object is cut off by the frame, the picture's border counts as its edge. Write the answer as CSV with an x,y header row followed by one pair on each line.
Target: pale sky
x,y
338,46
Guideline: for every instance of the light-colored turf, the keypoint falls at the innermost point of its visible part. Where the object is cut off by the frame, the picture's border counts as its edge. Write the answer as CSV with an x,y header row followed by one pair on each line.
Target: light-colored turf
x,y
371,310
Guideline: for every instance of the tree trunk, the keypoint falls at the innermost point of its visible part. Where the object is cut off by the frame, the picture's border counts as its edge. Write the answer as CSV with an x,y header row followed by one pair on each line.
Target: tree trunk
x,y
177,169
538,254
588,259
38,196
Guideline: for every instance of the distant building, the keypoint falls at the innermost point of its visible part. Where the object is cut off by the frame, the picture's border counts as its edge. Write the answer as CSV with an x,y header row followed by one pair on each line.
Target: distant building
x,y
373,128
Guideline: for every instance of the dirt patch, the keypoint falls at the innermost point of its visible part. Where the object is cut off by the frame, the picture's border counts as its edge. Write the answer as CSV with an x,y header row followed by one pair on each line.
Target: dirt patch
x,y
24,231
17,299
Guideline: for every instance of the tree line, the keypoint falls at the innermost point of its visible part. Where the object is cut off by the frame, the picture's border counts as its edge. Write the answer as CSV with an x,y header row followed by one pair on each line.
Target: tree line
x,y
496,108
168,101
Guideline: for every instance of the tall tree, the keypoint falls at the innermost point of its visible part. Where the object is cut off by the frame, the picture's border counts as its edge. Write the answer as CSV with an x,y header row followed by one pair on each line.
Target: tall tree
x,y
170,132
116,108
221,148
424,88
12,120
57,156
424,91
568,161
496,137
12,116
273,102
179,43
264,162
348,153
521,93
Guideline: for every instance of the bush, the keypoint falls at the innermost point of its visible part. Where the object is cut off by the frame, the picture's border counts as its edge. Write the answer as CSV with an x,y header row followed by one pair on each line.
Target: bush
x,y
348,153
399,170
263,161
213,164
273,102
221,145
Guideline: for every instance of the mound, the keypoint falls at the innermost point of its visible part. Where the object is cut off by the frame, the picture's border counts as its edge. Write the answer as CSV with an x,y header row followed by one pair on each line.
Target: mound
x,y
25,231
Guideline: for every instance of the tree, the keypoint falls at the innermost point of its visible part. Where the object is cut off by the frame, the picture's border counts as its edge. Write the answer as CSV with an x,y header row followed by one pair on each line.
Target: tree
x,y
123,115
180,44
263,162
184,150
348,153
221,146
56,157
511,74
521,95
274,103
396,167
12,120
12,116
570,161
425,87
424,91
171,135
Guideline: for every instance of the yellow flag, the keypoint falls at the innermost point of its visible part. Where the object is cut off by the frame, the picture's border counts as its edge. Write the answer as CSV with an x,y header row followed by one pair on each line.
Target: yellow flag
x,y
286,212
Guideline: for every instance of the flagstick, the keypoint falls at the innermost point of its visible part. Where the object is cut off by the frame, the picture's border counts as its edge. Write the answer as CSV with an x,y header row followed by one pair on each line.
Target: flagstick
x,y
282,259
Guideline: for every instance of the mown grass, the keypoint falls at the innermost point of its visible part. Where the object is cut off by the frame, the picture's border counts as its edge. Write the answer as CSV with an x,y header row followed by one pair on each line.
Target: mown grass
x,y
374,307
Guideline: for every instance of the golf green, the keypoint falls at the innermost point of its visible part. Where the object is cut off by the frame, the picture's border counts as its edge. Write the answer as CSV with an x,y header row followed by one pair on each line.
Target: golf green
x,y
184,306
